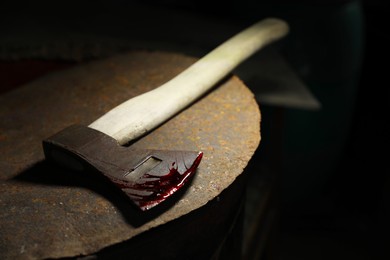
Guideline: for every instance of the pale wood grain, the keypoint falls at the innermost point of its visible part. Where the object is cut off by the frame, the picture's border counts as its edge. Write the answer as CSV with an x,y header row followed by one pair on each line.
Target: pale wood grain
x,y
143,113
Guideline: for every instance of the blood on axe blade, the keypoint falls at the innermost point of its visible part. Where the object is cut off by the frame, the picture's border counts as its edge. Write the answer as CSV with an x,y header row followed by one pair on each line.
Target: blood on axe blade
x,y
149,177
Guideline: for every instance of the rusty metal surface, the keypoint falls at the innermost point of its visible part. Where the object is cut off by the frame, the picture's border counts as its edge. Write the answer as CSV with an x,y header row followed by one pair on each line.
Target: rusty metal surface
x,y
50,212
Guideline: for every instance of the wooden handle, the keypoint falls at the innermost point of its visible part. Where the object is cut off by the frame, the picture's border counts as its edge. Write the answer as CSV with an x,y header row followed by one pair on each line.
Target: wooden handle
x,y
143,113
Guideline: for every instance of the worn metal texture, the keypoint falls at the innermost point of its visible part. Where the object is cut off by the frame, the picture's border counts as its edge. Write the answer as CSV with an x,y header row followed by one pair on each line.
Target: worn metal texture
x,y
50,212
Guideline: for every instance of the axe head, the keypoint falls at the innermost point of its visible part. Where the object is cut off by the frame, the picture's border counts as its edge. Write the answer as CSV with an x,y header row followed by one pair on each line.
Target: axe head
x,y
147,177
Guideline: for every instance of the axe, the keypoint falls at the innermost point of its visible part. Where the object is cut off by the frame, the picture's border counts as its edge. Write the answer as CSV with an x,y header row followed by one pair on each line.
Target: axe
x,y
149,177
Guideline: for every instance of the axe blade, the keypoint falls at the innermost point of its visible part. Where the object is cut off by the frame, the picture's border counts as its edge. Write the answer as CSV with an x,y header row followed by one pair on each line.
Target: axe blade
x,y
147,177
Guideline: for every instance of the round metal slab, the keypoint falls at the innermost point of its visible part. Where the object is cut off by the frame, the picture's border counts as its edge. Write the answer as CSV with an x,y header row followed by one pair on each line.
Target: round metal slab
x,y
49,212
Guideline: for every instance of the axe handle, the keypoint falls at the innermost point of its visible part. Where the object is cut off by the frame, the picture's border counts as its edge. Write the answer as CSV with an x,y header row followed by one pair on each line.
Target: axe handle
x,y
140,114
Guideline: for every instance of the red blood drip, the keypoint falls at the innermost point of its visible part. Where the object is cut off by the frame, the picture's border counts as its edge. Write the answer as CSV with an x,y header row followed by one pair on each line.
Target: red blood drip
x,y
160,187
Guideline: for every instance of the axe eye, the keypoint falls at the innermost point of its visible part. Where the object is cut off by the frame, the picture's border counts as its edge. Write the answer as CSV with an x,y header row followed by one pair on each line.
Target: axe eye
x,y
142,168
